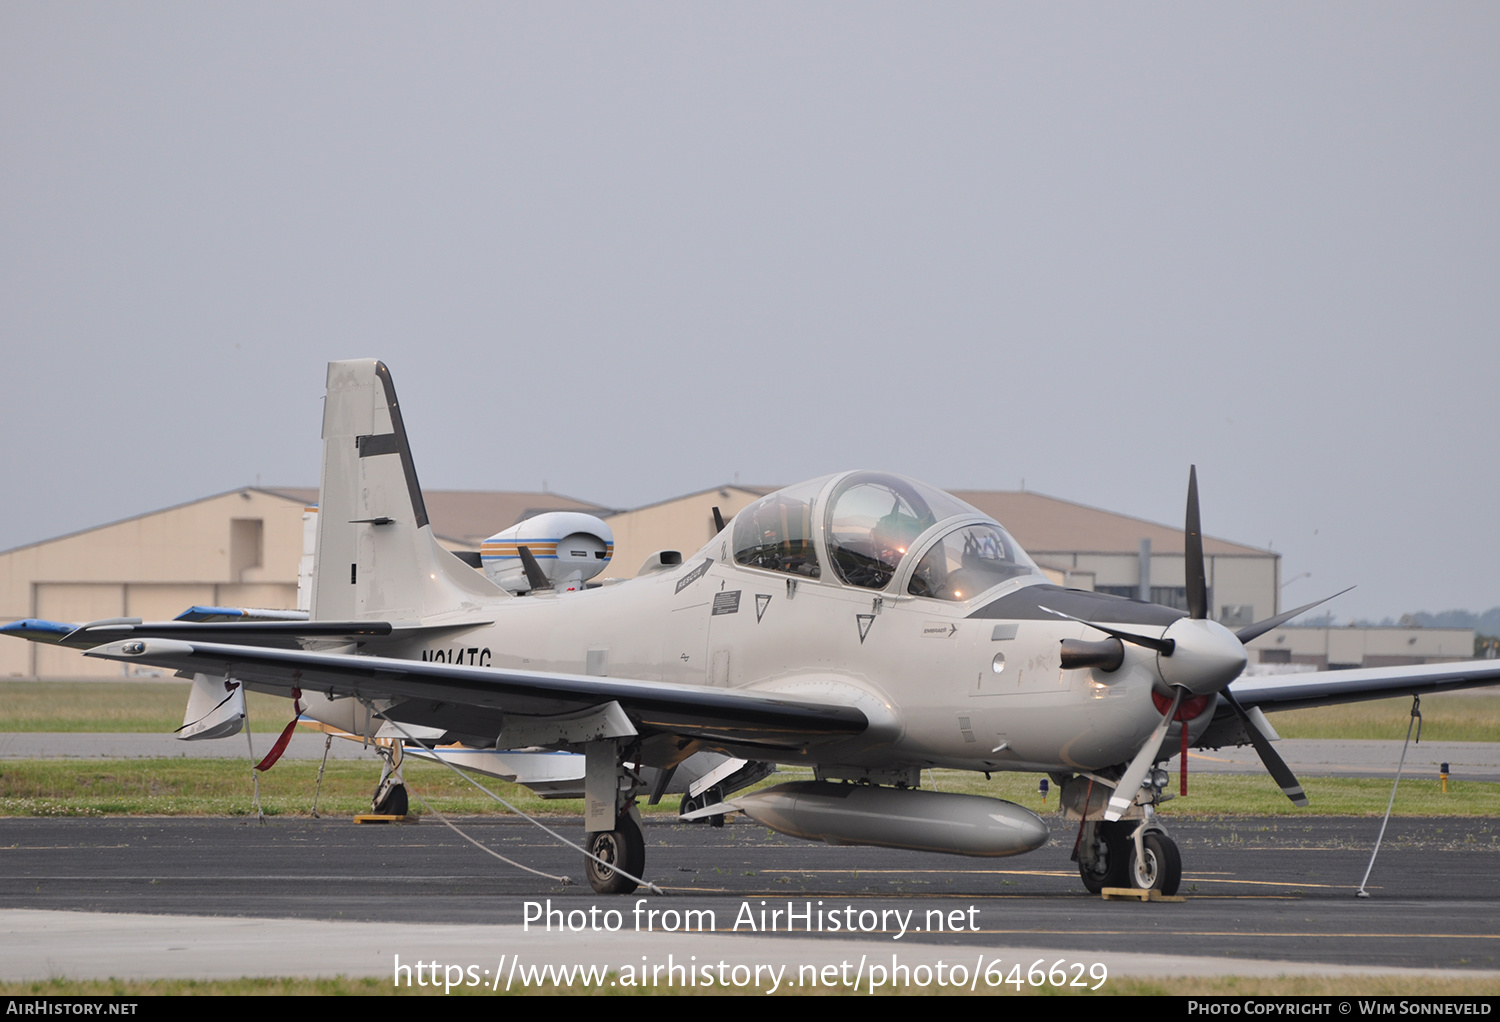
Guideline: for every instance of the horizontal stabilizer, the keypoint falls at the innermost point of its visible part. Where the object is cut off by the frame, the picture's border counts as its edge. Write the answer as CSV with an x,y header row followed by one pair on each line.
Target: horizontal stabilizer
x,y
280,634
37,630
293,634
239,614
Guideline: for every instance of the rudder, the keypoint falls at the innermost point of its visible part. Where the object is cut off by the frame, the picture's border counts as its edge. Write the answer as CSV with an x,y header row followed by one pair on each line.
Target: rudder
x,y
376,557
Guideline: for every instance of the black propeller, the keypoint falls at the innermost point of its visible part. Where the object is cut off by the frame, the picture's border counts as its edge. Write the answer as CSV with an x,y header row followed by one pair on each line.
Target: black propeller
x,y
1193,661
1260,628
1280,772
1192,554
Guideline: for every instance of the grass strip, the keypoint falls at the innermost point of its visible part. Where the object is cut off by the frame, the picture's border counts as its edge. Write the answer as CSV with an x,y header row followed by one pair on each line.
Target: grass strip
x,y
222,787
125,707
146,706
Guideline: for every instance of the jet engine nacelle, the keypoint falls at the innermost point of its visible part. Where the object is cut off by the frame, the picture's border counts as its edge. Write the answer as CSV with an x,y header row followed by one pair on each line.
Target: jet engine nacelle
x,y
927,821
570,548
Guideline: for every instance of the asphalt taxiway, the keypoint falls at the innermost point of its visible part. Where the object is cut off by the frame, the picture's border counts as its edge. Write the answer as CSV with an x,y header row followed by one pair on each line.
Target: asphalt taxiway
x,y
1262,894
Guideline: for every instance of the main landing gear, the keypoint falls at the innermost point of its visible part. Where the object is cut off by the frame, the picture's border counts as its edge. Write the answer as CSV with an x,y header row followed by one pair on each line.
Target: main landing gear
x,y
390,794
713,796
617,850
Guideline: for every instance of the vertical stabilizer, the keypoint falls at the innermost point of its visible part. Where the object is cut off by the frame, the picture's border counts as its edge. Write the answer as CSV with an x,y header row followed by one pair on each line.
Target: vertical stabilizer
x,y
376,555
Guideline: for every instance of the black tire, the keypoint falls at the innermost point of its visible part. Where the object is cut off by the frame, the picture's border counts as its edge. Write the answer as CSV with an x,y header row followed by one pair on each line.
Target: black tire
x,y
1160,868
624,847
689,804
392,803
1111,865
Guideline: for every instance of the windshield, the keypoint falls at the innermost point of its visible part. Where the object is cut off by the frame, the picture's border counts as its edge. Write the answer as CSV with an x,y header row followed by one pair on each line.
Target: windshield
x,y
776,532
967,561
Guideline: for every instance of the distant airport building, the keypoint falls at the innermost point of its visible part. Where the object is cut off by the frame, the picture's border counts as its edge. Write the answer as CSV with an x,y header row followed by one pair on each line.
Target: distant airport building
x,y
242,548
1335,648
235,549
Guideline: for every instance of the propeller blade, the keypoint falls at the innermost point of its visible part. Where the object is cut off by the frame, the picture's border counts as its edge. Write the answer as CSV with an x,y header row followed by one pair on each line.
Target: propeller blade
x,y
1260,628
1192,565
1163,646
1280,772
1135,773
534,575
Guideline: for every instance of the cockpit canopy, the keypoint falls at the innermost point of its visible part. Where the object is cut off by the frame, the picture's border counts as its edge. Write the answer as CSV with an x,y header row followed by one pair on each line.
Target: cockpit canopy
x,y
867,527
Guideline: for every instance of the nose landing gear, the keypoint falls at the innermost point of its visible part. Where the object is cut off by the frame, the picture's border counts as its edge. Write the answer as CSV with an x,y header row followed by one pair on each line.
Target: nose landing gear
x,y
1134,853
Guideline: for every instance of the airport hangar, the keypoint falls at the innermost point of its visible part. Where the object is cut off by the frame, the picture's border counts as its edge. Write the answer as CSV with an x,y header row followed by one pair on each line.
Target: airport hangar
x,y
243,549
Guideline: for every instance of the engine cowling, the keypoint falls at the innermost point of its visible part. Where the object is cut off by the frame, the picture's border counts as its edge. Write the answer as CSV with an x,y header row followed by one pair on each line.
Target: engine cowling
x,y
570,547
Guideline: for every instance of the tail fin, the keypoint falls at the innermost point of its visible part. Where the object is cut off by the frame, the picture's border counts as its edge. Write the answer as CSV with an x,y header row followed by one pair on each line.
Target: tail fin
x,y
376,557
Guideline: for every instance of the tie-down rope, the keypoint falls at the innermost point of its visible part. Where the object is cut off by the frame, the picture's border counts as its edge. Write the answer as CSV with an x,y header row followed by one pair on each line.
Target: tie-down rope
x,y
545,829
1416,719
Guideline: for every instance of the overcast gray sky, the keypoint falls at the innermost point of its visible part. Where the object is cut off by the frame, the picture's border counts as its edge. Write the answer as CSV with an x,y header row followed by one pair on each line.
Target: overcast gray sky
x,y
636,249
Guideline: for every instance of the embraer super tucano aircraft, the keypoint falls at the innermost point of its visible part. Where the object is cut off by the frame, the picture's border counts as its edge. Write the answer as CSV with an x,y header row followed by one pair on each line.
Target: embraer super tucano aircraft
x,y
861,624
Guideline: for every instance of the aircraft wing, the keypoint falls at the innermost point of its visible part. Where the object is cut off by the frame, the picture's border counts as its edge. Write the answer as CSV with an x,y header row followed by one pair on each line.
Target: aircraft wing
x,y
1327,688
455,695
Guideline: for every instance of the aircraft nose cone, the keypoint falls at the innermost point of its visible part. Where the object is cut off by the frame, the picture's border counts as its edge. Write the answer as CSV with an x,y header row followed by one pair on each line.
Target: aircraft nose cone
x,y
1205,659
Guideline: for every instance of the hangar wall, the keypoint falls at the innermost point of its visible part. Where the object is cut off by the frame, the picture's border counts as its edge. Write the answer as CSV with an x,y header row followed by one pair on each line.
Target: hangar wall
x,y
233,549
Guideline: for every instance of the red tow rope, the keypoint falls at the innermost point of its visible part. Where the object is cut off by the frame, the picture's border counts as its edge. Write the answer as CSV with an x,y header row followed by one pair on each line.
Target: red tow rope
x,y
1184,754
286,735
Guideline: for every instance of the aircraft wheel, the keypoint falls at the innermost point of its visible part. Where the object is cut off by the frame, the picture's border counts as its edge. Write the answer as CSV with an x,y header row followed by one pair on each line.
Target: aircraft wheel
x,y
624,847
1159,868
690,804
713,796
390,800
1111,858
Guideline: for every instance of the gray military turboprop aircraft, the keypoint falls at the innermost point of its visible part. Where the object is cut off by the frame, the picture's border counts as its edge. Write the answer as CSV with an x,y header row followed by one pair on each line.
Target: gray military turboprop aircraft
x,y
862,624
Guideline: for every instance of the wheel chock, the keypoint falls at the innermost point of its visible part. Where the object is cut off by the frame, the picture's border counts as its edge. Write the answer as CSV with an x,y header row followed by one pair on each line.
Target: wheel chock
x,y
1136,894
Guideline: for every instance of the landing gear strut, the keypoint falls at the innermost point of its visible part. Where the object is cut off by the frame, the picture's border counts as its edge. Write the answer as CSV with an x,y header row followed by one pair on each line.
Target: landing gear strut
x,y
610,790
390,794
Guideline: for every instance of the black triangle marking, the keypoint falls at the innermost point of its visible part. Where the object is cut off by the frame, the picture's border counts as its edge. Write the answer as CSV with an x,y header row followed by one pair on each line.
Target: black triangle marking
x,y
865,621
762,601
